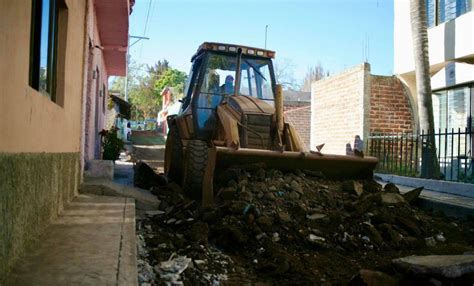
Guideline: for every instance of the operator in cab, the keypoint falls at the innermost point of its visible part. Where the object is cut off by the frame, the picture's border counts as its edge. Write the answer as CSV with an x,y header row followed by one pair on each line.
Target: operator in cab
x,y
228,86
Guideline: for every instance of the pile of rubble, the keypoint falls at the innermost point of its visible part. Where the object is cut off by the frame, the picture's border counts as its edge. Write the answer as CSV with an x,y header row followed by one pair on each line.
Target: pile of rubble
x,y
297,228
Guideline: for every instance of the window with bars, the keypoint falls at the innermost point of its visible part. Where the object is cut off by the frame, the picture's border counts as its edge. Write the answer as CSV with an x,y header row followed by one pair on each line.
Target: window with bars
x,y
453,110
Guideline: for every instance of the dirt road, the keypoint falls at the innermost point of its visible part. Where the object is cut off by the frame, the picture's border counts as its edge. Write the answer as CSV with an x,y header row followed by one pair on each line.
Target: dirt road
x,y
149,147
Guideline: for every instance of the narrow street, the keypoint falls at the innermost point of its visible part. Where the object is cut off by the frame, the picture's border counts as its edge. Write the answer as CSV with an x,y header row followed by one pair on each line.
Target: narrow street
x,y
149,147
306,142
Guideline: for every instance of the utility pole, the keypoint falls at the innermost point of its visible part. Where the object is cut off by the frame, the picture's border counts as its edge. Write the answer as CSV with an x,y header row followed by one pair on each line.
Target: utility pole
x,y
266,29
138,39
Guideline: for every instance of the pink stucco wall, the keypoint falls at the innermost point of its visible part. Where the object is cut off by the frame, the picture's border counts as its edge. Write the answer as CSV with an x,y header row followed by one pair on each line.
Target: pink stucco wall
x,y
95,89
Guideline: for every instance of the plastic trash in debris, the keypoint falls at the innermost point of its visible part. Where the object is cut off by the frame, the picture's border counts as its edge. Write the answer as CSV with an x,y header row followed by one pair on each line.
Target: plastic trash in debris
x,y
440,237
171,269
249,208
275,237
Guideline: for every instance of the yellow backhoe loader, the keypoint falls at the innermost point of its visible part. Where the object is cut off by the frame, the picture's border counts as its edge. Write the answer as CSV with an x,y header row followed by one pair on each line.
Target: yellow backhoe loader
x,y
232,114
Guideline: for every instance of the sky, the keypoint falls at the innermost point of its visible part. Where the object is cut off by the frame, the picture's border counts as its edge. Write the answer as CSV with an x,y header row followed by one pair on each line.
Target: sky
x,y
338,34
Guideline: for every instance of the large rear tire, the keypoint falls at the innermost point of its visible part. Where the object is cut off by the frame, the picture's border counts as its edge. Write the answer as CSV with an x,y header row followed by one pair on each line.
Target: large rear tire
x,y
174,156
195,167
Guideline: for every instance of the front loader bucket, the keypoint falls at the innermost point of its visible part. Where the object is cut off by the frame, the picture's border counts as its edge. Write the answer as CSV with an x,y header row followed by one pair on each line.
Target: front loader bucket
x,y
331,166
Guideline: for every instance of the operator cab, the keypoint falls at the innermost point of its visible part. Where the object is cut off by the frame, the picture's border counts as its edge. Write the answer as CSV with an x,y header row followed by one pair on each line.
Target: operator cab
x,y
220,71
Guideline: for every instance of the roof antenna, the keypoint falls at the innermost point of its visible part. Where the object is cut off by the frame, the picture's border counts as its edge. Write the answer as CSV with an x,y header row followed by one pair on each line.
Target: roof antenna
x,y
266,29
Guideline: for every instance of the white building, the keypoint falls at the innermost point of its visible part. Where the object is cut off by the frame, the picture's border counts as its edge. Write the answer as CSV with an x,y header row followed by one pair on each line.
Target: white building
x,y
451,53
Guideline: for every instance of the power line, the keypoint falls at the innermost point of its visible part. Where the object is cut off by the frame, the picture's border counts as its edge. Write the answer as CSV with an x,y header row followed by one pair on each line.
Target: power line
x,y
147,17
153,10
146,25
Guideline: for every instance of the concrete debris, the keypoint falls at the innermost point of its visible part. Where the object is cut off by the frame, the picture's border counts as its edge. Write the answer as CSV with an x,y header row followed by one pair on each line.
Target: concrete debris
x,y
391,198
430,241
315,238
373,278
154,213
391,188
440,266
295,186
315,216
440,237
292,228
145,177
413,195
353,187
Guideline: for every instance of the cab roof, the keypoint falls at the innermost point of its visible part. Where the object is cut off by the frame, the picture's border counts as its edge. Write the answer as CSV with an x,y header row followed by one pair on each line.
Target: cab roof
x,y
232,49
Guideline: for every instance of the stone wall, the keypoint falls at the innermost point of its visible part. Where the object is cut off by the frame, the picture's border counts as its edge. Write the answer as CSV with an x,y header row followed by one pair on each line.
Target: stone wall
x,y
390,108
339,105
300,117
33,189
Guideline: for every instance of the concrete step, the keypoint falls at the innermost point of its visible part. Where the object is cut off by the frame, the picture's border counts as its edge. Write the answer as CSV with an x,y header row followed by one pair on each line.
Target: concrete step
x,y
144,199
92,242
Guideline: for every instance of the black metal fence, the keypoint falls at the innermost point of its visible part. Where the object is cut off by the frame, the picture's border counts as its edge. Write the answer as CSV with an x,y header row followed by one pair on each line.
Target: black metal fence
x,y
401,153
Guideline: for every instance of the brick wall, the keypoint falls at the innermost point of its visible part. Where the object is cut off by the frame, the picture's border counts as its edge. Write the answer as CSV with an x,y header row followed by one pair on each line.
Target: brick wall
x,y
390,110
289,105
355,102
299,115
338,105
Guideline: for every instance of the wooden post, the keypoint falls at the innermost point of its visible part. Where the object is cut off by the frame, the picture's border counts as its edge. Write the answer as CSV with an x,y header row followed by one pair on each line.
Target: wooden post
x,y
279,107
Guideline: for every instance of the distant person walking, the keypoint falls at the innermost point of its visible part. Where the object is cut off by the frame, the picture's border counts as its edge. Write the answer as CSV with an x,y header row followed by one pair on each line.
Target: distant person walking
x,y
128,131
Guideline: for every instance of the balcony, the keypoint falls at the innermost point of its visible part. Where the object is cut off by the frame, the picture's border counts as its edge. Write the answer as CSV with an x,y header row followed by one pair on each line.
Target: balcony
x,y
452,41
113,22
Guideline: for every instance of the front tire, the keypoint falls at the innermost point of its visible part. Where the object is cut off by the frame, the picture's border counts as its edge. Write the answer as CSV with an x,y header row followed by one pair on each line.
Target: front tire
x,y
195,167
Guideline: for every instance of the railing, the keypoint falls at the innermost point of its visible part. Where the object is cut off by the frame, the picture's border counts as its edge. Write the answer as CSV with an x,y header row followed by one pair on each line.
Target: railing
x,y
401,154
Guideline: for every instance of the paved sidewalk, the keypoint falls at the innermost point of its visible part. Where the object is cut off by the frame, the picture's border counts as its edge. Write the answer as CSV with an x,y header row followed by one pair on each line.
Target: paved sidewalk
x,y
450,204
92,242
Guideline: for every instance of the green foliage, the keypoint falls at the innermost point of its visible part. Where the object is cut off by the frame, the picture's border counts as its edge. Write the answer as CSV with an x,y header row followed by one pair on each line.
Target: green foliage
x,y
142,87
171,78
111,144
159,68
110,104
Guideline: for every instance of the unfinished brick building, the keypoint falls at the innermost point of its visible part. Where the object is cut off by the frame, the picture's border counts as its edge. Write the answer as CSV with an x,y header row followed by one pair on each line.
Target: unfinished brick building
x,y
297,110
356,102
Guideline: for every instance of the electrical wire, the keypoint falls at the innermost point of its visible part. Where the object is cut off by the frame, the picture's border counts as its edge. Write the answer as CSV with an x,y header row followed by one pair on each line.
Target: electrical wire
x,y
146,25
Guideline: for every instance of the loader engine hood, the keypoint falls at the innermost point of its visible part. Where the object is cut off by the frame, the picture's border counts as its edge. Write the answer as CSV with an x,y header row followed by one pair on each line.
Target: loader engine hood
x,y
251,105
256,121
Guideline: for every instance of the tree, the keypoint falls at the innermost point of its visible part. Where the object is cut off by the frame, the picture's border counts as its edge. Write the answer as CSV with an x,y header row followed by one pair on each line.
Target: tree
x,y
313,74
141,92
136,73
145,84
430,165
146,103
284,73
159,68
171,78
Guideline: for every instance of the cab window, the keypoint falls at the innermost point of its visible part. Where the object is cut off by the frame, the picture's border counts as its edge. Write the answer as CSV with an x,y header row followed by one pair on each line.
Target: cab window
x,y
256,78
